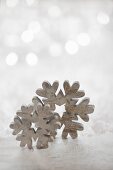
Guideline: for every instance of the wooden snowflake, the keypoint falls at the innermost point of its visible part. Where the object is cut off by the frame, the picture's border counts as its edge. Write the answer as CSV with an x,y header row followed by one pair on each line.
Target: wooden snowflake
x,y
39,116
40,122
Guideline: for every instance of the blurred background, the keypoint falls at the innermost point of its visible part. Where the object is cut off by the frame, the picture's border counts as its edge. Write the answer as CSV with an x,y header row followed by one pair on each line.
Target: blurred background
x,y
56,40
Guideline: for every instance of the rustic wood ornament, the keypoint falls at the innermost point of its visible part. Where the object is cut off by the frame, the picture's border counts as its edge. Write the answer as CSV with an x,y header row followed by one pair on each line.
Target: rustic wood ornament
x,y
40,122
46,122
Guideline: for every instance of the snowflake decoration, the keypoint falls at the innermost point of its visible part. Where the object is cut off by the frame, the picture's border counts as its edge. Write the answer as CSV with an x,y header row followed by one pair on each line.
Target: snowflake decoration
x,y
39,121
45,121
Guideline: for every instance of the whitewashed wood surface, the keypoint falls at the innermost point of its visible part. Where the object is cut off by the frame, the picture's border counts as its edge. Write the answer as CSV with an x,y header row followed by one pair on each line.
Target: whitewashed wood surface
x,y
91,152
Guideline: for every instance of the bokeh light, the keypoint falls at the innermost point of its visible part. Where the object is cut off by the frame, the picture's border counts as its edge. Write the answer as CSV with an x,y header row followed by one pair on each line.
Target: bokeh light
x,y
11,3
55,49
34,26
71,47
11,59
103,18
54,11
83,39
27,36
31,59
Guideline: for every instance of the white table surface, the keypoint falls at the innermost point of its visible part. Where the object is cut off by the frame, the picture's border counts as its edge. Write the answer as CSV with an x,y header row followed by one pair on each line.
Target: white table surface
x,y
91,152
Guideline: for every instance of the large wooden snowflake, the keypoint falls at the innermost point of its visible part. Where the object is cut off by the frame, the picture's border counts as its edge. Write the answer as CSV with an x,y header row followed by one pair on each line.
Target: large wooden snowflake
x,y
39,121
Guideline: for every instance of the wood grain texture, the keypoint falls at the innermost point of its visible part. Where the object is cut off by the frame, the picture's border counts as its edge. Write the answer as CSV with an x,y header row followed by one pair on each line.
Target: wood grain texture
x,y
42,118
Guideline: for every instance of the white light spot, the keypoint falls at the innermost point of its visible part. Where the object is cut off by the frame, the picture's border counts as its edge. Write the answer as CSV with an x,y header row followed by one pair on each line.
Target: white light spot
x,y
71,47
11,40
31,59
30,2
55,49
27,36
11,3
54,11
103,18
34,26
83,39
11,59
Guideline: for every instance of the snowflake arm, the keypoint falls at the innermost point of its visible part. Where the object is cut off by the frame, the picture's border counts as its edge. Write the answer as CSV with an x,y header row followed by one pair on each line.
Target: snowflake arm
x,y
19,125
72,91
82,109
26,138
43,138
71,129
26,112
48,91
